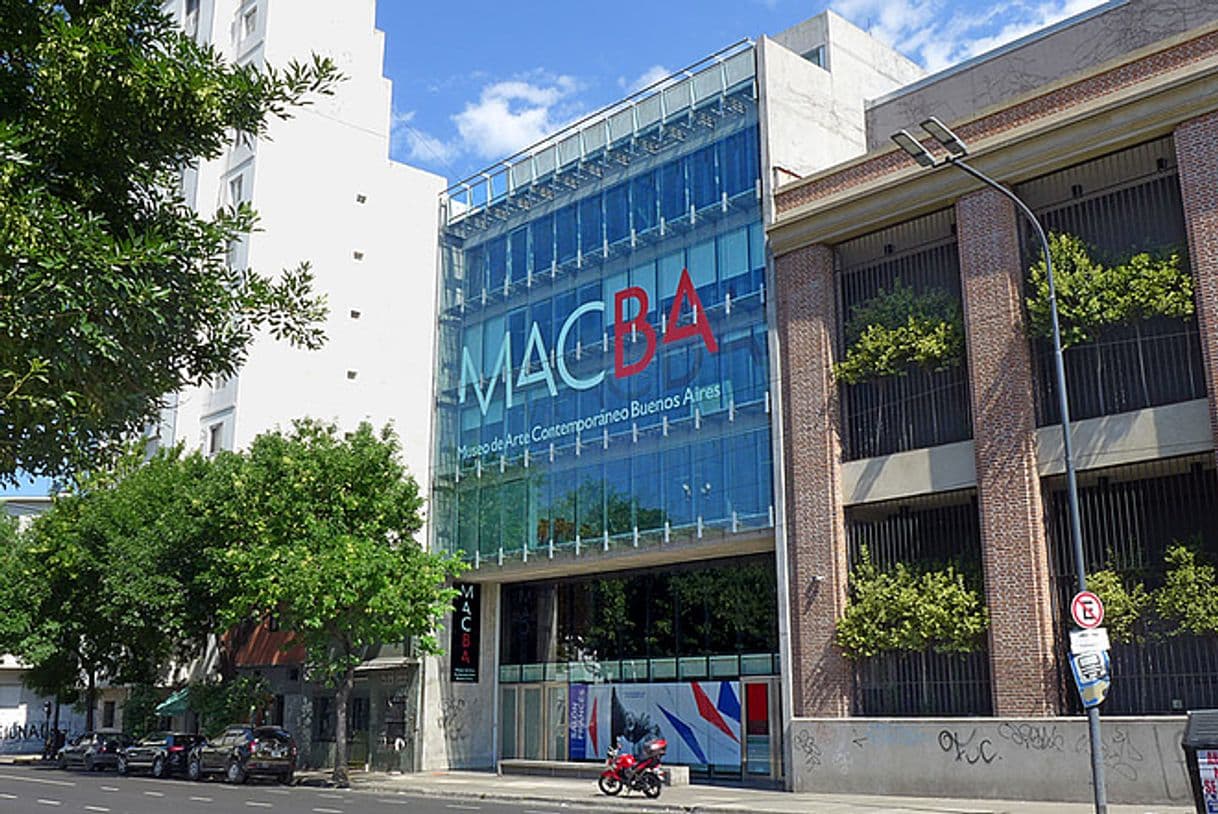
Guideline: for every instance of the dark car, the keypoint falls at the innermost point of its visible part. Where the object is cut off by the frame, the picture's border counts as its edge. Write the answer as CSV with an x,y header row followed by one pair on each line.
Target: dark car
x,y
93,750
243,751
160,754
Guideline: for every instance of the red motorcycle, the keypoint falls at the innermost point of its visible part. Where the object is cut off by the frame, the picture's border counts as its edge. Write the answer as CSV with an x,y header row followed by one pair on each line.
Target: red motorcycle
x,y
624,771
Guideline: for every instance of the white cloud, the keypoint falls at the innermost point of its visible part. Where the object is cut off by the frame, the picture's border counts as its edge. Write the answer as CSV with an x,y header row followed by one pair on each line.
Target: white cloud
x,y
419,146
514,114
649,77
937,34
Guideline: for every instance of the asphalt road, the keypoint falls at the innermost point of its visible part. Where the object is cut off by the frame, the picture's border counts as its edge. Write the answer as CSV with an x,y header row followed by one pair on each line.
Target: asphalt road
x,y
42,790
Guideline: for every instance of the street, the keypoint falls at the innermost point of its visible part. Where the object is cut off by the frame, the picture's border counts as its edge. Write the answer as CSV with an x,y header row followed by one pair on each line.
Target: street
x,y
38,790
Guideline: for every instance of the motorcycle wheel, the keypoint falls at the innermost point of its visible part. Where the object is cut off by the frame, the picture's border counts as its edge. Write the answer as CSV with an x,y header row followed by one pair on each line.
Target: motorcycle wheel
x,y
610,785
651,786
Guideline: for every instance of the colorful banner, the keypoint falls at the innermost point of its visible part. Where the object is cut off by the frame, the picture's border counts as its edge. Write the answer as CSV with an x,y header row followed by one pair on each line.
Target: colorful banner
x,y
700,720
465,634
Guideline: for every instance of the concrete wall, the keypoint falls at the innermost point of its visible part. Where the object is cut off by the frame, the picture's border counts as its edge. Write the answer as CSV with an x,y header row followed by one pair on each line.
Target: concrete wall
x,y
459,721
1110,34
1007,758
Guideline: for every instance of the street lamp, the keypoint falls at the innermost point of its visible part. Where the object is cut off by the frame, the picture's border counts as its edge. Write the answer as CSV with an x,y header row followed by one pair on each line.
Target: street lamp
x,y
956,151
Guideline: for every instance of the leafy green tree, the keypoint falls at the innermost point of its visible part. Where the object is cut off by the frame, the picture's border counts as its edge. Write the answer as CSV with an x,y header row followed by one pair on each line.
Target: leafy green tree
x,y
1093,298
1188,598
900,328
109,578
113,292
1125,604
219,703
328,523
904,608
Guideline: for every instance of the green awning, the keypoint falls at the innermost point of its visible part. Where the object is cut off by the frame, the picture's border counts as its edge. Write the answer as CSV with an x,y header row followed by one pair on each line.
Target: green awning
x,y
174,704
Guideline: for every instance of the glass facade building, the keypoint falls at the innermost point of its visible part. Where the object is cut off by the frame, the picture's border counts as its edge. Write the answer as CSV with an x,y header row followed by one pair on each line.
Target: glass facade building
x,y
603,366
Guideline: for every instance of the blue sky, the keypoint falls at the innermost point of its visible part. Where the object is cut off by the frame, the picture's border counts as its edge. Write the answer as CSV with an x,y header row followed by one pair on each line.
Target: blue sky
x,y
475,81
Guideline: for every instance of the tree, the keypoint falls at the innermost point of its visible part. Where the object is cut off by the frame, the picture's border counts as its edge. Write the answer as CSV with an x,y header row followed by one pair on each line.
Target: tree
x,y
327,545
1125,603
900,328
911,609
1093,298
113,292
1188,597
107,579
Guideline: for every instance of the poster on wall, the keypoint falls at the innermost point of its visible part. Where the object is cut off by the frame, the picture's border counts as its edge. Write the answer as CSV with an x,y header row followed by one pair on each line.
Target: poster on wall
x,y
699,719
465,634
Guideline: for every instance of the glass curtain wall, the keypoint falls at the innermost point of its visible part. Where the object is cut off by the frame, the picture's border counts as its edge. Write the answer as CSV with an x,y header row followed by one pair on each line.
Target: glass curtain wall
x,y
603,370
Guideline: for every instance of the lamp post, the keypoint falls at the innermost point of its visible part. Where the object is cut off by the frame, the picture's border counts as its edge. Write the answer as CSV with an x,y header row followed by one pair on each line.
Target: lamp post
x,y
956,151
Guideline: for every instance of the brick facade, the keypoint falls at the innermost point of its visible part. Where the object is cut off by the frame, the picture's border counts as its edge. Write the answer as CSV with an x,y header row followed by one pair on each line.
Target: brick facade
x,y
1014,549
1197,156
816,541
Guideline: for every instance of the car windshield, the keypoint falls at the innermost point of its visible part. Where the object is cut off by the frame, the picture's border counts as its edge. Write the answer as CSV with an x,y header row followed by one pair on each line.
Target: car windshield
x,y
272,734
155,737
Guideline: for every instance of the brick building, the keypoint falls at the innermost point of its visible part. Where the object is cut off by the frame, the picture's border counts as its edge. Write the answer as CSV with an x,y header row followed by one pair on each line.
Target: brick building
x,y
1107,126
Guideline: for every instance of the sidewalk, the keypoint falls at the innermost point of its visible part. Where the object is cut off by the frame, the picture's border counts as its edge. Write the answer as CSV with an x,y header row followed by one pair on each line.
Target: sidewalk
x,y
582,795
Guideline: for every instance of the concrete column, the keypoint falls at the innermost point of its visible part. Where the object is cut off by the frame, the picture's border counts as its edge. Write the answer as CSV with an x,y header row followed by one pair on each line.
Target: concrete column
x,y
815,526
1013,540
1197,156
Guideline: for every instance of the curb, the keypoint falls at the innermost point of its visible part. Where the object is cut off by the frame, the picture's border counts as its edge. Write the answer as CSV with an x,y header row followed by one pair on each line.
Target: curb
x,y
637,804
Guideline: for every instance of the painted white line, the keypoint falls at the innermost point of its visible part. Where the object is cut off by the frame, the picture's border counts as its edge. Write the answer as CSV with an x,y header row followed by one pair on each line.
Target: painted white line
x,y
394,802
276,791
201,799
109,788
331,796
258,804
49,802
96,808
155,793
535,811
328,811
463,808
41,780
4,796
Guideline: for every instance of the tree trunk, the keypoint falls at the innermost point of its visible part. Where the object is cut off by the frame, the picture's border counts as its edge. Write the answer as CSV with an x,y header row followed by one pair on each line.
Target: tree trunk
x,y
342,697
90,700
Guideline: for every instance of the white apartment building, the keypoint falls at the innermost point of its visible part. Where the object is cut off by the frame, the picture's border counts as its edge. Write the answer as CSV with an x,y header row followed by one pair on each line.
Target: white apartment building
x,y
327,193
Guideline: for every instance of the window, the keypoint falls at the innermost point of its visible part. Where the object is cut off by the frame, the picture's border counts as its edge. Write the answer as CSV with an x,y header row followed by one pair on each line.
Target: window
x,y
236,190
215,438
324,715
816,56
108,715
249,22
358,255
354,314
361,198
351,374
192,7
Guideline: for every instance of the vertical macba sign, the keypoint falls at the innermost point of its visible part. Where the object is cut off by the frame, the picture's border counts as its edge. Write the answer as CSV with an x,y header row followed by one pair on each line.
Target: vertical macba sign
x,y
465,634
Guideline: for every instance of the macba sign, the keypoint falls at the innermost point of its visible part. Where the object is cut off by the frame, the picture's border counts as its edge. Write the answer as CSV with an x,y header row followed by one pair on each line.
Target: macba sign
x,y
535,369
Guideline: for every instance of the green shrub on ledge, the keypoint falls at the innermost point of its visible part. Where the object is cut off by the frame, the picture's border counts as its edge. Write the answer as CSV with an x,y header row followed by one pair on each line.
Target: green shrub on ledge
x,y
908,609
900,328
1092,297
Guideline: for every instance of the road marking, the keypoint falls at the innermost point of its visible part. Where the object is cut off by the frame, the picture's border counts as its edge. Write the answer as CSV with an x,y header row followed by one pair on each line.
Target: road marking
x,y
535,811
328,811
201,799
463,808
4,796
109,788
276,791
155,793
49,802
394,802
36,780
258,804
96,808
331,796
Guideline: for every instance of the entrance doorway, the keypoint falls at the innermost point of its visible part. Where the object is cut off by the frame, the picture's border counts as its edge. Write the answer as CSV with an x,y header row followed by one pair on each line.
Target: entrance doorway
x,y
762,726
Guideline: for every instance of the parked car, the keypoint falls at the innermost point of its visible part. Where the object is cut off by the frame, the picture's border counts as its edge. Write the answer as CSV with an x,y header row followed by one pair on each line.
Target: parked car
x,y
243,751
92,751
160,754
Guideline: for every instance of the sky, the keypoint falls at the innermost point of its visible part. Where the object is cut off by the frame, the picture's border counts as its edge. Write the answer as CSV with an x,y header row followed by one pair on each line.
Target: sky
x,y
476,81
